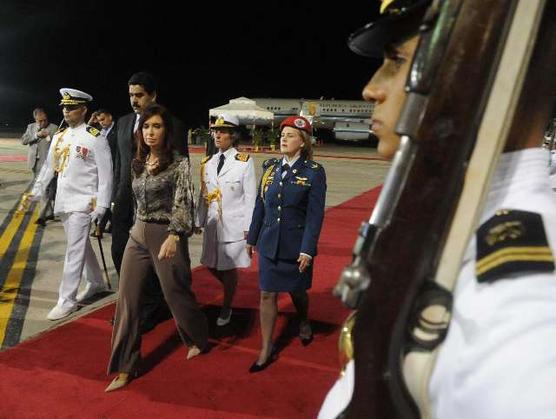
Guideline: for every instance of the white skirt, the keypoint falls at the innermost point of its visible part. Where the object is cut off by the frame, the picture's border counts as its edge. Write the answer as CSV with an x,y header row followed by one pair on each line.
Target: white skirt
x,y
224,255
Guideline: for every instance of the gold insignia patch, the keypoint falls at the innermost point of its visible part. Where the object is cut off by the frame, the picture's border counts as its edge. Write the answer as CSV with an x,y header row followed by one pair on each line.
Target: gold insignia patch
x,y
242,157
505,231
299,180
93,131
205,159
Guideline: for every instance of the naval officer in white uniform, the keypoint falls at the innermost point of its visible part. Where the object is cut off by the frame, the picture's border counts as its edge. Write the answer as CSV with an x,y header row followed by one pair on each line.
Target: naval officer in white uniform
x,y
81,157
225,205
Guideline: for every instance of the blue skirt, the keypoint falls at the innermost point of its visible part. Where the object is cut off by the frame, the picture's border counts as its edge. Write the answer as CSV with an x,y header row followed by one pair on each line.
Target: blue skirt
x,y
281,275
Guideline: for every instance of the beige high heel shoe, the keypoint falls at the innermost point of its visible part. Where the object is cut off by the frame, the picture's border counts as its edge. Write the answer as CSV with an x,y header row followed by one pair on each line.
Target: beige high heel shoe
x,y
193,352
120,381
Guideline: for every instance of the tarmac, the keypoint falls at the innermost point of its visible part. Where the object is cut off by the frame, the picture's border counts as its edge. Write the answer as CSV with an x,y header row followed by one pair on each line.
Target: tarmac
x,y
32,257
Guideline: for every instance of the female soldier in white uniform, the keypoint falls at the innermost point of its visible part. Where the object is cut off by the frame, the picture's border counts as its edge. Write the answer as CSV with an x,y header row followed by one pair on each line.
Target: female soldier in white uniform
x,y
226,201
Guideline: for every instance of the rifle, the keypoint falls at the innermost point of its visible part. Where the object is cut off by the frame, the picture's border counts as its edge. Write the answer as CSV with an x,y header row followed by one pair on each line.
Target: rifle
x,y
405,265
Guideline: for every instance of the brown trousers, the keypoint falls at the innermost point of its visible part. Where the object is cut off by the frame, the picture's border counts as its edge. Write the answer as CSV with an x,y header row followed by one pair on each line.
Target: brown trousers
x,y
140,256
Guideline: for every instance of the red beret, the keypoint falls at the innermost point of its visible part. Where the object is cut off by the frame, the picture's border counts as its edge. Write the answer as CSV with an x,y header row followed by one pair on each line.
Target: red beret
x,y
297,122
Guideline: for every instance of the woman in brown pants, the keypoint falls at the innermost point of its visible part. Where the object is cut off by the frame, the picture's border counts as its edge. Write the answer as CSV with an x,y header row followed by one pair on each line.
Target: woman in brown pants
x,y
158,240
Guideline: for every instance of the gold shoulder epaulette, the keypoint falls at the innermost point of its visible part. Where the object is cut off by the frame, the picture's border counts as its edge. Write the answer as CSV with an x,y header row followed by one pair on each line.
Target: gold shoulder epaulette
x,y
205,159
512,243
93,131
60,130
242,157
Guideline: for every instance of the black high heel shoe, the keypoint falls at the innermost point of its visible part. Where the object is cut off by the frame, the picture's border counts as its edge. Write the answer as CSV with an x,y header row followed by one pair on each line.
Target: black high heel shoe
x,y
260,367
306,340
306,333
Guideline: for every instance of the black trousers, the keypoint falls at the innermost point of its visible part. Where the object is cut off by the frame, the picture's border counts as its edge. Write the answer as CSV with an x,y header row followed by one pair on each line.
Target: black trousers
x,y
154,307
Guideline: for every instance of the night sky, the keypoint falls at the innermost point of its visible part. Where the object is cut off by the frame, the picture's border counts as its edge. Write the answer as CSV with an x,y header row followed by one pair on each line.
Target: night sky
x,y
201,58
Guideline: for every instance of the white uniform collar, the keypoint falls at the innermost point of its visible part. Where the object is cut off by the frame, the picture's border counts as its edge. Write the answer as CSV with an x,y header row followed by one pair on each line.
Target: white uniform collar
x,y
290,162
79,127
227,154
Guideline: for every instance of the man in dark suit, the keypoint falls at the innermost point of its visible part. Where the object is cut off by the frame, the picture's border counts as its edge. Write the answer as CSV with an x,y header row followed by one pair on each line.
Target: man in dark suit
x,y
142,89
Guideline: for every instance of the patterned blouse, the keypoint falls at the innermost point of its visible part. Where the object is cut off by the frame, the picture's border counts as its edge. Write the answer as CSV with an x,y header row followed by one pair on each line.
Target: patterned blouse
x,y
167,197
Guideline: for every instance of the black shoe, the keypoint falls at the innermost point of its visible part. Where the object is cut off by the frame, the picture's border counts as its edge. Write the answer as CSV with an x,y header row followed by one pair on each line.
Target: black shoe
x,y
306,340
41,222
305,333
260,367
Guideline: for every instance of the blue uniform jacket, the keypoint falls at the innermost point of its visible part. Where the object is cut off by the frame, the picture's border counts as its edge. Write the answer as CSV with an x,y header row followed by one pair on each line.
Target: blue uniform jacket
x,y
288,213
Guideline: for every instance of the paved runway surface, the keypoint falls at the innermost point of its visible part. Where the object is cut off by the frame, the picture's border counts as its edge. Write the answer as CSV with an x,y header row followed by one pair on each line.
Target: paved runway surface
x,y
31,257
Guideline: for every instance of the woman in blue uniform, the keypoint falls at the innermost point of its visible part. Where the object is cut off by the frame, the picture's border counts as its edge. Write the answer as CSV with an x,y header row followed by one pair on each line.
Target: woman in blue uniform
x,y
285,229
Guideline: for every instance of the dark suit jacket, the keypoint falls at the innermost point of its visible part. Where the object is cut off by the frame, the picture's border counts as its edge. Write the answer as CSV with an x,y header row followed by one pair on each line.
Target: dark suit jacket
x,y
288,214
112,139
125,152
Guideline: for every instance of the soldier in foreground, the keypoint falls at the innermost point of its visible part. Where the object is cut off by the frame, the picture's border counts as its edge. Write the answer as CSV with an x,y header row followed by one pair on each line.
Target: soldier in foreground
x,y
497,360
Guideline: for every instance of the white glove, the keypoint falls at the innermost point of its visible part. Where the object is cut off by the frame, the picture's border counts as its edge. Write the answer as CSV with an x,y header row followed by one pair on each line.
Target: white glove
x,y
97,214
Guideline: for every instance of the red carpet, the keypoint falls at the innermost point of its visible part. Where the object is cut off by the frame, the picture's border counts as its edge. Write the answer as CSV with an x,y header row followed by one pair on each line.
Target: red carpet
x,y
61,373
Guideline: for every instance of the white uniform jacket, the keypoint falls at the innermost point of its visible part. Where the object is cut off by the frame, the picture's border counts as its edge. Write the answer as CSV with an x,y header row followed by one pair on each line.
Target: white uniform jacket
x,y
499,357
82,158
229,211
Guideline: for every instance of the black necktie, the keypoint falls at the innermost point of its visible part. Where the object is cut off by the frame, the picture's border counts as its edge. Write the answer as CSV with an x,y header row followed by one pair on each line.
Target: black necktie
x,y
220,164
285,169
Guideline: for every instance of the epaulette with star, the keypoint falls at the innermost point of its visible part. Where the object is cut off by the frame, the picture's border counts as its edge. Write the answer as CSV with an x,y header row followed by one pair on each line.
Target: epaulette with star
x,y
312,164
92,130
269,162
206,159
512,242
242,157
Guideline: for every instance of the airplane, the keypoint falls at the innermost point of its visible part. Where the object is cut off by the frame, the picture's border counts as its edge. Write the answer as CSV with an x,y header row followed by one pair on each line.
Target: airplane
x,y
348,120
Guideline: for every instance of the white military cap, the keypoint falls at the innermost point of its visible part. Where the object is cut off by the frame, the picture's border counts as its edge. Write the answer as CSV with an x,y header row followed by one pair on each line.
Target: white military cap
x,y
74,97
226,120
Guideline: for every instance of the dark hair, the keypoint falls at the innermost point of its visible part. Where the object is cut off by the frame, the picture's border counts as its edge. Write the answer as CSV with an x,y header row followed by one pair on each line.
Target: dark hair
x,y
147,80
143,149
103,110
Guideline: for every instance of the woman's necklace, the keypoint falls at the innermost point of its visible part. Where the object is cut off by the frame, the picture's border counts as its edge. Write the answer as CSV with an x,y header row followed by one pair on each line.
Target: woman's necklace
x,y
153,161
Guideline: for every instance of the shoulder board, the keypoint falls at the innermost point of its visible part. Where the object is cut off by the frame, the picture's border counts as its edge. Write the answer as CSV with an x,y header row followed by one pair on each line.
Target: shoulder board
x,y
269,162
205,159
312,164
60,130
512,242
93,131
242,157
